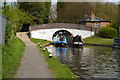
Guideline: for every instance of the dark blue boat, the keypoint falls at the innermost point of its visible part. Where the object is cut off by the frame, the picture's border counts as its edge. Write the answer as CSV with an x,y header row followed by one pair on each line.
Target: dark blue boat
x,y
77,41
116,43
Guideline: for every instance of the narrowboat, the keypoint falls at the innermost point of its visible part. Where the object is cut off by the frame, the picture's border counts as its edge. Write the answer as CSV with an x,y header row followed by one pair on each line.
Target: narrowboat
x,y
61,41
116,42
77,41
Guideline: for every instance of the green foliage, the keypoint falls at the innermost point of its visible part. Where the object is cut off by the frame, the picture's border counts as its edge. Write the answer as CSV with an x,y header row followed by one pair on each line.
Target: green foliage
x,y
39,11
8,32
0,60
113,25
119,13
107,32
59,70
107,11
73,12
11,57
39,41
97,40
16,17
60,5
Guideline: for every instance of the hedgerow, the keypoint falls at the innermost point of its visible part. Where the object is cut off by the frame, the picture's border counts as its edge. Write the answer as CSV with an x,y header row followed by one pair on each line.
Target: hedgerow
x,y
107,32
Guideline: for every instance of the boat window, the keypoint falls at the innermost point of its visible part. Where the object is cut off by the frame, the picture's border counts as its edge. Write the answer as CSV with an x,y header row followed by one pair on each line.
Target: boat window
x,y
61,38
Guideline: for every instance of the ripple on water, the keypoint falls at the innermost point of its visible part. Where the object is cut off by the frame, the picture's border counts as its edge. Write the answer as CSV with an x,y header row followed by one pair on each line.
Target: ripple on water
x,y
90,63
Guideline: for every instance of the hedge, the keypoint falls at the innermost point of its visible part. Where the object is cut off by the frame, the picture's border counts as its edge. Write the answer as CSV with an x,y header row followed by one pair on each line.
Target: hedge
x,y
107,32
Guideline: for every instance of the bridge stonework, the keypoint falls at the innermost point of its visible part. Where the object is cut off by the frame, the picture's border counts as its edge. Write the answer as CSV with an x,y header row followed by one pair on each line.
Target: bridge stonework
x,y
46,31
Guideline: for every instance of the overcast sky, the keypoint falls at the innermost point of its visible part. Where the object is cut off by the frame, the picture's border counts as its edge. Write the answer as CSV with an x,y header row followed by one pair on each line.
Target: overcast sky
x,y
114,0
63,0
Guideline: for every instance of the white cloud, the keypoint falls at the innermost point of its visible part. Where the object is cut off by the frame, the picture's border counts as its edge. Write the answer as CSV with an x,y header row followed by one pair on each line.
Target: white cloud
x,y
113,0
54,1
11,0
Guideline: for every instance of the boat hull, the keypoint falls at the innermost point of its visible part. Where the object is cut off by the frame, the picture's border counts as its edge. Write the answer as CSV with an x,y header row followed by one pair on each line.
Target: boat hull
x,y
61,43
77,44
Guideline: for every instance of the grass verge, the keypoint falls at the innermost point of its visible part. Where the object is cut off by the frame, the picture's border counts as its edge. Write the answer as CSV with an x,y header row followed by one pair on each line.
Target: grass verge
x,y
11,57
39,41
58,69
0,61
98,40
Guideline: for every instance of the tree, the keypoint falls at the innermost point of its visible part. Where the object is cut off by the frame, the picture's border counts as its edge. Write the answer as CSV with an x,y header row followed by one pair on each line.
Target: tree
x,y
16,16
119,13
39,11
73,12
108,11
16,19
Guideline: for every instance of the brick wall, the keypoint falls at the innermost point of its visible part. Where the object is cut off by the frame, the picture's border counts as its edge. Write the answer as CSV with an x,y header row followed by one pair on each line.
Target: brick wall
x,y
104,24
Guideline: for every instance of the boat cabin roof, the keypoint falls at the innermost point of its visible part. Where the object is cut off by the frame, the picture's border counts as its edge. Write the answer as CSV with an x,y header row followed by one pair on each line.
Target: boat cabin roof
x,y
118,39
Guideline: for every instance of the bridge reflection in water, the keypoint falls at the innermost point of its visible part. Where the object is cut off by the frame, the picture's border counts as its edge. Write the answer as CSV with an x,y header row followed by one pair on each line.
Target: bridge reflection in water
x,y
90,62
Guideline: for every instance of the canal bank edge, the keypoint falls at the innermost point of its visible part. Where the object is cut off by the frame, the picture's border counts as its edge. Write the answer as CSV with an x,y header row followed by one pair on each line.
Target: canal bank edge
x,y
58,69
97,41
98,45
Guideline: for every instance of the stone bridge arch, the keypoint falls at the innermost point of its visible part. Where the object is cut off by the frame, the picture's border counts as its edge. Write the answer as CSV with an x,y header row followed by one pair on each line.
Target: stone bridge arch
x,y
47,31
65,32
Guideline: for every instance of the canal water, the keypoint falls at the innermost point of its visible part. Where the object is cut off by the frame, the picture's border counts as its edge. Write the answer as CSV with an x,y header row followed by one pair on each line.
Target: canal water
x,y
90,62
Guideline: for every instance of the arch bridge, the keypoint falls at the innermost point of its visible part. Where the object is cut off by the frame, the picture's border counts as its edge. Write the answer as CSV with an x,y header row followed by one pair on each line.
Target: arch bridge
x,y
48,31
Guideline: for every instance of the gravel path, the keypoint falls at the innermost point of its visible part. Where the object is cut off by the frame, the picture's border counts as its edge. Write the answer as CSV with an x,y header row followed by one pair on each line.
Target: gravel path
x,y
32,65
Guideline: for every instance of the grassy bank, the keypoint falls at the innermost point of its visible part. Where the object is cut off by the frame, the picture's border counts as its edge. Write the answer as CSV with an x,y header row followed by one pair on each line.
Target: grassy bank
x,y
98,40
59,70
39,41
11,57
0,61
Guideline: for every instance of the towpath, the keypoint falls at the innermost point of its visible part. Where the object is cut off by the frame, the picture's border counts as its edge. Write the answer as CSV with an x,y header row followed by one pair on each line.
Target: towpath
x,y
32,64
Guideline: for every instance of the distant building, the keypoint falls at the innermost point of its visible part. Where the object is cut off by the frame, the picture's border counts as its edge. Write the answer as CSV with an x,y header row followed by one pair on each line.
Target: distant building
x,y
94,21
